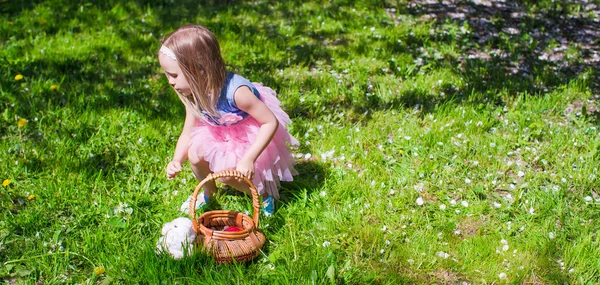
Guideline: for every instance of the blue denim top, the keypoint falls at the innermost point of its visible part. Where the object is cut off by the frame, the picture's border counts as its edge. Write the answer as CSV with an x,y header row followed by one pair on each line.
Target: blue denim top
x,y
229,113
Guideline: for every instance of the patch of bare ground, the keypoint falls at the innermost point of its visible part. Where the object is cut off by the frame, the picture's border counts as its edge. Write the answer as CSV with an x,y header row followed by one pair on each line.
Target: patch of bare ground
x,y
446,276
470,226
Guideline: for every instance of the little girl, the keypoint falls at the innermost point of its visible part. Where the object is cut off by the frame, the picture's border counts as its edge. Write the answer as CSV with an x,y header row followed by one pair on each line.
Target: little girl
x,y
230,123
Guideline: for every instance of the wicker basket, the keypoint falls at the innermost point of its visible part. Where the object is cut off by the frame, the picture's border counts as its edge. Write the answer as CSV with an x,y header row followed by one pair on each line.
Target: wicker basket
x,y
228,246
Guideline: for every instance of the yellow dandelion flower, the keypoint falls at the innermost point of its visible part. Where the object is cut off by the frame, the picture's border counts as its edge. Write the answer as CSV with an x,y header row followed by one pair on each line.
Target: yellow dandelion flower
x,y
21,122
43,21
31,197
53,87
401,151
99,270
18,77
10,22
6,182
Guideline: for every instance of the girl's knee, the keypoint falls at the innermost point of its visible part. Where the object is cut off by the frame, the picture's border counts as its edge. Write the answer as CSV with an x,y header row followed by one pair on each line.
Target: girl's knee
x,y
194,157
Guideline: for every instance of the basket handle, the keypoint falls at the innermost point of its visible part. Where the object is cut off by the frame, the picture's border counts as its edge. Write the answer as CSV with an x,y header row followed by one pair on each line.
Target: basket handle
x,y
225,173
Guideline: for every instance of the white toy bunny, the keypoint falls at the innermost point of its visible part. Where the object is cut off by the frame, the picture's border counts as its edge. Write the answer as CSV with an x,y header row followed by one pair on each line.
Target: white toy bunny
x,y
177,237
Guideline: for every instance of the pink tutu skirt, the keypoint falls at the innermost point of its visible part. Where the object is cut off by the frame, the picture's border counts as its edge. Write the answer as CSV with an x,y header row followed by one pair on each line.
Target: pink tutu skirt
x,y
224,146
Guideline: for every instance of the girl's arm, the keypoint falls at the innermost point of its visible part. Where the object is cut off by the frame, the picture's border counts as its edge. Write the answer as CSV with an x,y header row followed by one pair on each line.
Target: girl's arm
x,y
183,144
247,102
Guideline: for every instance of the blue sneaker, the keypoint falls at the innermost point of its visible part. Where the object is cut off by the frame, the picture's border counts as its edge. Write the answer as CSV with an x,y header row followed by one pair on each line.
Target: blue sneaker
x,y
268,206
201,203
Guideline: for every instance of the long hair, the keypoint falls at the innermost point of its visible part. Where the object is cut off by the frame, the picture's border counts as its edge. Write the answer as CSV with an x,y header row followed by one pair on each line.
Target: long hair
x,y
199,57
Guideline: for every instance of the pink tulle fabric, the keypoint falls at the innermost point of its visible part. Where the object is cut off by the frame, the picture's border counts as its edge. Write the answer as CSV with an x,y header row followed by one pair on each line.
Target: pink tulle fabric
x,y
224,146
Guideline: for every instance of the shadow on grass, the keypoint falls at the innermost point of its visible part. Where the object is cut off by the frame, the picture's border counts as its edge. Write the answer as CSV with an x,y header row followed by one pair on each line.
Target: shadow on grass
x,y
519,46
310,177
510,49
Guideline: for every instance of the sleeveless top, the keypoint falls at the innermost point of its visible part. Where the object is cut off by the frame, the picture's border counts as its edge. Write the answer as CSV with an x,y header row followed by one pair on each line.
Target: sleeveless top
x,y
229,113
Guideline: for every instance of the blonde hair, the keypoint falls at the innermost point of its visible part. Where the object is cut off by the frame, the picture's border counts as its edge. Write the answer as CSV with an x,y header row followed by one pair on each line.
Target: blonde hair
x,y
199,57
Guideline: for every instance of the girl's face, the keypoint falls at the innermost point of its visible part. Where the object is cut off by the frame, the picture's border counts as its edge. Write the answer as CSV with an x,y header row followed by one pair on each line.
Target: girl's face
x,y
174,74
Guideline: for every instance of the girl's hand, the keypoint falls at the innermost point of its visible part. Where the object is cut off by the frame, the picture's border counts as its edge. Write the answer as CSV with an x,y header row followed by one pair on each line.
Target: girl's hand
x,y
246,168
173,168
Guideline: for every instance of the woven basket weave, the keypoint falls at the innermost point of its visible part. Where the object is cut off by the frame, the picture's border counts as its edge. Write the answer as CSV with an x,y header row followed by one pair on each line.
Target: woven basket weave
x,y
227,246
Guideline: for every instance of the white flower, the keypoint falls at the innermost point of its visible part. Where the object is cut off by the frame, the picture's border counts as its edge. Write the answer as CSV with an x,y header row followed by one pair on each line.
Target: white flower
x,y
442,254
419,187
521,174
588,199
502,275
550,235
497,205
464,203
307,156
467,180
419,201
327,155
442,207
505,247
323,193
452,202
411,261
122,208
326,244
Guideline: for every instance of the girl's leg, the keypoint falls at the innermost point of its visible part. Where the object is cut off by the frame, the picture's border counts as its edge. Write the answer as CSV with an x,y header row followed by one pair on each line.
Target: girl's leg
x,y
240,185
268,206
201,169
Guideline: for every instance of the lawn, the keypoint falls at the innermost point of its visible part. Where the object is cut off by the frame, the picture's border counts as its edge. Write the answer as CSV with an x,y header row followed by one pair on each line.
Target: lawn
x,y
447,142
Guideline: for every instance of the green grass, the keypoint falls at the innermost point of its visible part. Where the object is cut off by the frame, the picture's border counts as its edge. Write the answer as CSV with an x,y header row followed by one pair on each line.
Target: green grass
x,y
422,160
